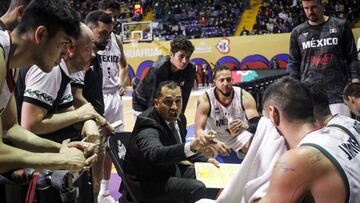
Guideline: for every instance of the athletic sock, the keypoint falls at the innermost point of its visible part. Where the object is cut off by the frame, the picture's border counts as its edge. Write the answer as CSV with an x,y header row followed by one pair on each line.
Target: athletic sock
x,y
104,187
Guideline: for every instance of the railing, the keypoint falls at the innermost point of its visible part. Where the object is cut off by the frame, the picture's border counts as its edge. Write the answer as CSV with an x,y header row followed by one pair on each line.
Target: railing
x,y
257,87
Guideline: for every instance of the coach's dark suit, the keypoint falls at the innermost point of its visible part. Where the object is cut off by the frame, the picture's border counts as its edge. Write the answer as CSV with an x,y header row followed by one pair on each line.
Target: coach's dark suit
x,y
152,161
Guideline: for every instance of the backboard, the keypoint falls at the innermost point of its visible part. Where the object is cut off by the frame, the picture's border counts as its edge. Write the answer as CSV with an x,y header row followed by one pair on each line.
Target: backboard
x,y
137,31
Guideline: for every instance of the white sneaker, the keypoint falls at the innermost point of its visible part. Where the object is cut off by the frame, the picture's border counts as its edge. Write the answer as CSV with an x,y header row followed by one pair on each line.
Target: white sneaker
x,y
102,198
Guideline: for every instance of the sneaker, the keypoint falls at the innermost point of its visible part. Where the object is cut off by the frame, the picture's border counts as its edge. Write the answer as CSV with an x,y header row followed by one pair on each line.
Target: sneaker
x,y
102,198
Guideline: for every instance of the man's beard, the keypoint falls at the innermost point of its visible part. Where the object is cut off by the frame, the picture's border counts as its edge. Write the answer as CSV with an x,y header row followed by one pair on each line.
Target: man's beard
x,y
100,46
228,94
313,18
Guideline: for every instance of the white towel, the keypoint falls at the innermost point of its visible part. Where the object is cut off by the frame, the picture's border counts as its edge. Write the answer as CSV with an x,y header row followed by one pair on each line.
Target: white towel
x,y
252,180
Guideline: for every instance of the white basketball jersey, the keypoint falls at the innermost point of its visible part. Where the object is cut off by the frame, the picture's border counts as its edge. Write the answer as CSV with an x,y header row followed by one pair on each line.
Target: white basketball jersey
x,y
8,86
43,88
339,142
110,58
220,116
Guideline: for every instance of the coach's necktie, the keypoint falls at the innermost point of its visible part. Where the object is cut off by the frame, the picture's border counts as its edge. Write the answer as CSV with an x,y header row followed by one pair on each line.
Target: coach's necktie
x,y
175,133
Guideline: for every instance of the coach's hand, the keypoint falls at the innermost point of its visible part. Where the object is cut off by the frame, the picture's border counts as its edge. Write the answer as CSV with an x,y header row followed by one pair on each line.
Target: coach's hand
x,y
214,161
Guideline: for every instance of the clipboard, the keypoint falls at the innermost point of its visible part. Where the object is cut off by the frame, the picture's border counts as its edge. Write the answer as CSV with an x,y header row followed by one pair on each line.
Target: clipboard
x,y
214,177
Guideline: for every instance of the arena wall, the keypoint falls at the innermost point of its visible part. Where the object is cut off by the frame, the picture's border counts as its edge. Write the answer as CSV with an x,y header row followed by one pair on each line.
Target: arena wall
x,y
238,52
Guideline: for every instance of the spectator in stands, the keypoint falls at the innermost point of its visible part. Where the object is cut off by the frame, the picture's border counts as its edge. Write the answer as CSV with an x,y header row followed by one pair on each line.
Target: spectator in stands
x,y
244,31
205,74
38,16
158,161
228,111
322,58
176,66
339,9
203,21
352,97
200,18
291,14
275,63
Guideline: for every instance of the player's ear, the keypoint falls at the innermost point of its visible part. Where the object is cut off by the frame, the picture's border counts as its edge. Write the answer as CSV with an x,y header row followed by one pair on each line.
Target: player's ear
x,y
70,52
40,34
70,49
352,99
19,12
274,115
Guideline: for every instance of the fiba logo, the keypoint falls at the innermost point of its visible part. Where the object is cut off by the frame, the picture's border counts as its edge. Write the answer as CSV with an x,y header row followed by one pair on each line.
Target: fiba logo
x,y
223,46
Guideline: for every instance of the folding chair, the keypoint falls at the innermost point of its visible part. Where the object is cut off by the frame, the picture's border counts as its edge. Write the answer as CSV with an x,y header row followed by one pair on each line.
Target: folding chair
x,y
115,145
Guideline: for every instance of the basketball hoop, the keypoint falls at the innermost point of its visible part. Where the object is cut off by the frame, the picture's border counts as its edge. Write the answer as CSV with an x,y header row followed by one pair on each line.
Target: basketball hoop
x,y
134,42
135,32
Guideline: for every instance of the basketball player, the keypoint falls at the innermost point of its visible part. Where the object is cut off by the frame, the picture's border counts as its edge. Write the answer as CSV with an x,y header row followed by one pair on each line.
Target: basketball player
x,y
321,164
228,111
40,38
46,101
112,8
115,75
322,52
352,98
